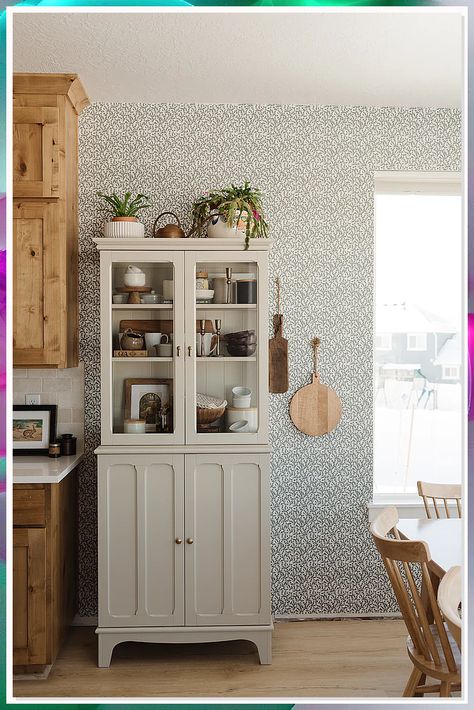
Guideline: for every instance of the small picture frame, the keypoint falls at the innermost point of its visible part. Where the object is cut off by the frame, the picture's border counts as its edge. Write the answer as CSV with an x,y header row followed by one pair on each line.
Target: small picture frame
x,y
34,428
150,399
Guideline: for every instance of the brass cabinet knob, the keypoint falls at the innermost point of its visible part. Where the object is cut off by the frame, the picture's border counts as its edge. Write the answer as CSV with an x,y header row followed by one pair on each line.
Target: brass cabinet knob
x,y
190,349
178,350
189,540
178,541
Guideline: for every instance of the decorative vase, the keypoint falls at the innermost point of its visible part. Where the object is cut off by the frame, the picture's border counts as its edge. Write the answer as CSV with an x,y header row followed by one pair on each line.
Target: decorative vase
x,y
218,228
124,227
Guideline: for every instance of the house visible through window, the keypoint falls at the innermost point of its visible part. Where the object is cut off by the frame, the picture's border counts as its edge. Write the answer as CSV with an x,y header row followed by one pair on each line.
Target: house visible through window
x,y
416,341
417,344
383,341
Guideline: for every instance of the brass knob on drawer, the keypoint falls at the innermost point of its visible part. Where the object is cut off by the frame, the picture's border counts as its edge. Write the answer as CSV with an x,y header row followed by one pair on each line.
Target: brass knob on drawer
x,y
178,541
190,540
178,350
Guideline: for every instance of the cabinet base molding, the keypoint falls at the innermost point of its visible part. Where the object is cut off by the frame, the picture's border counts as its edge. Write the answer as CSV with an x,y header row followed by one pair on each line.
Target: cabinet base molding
x,y
108,638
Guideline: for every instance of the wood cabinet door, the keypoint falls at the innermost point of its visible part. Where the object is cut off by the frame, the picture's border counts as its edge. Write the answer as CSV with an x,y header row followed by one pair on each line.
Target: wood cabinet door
x,y
37,303
141,520
29,597
35,151
227,555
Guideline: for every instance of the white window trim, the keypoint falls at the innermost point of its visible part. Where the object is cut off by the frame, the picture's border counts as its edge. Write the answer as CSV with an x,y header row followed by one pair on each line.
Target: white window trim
x,y
421,349
407,507
426,183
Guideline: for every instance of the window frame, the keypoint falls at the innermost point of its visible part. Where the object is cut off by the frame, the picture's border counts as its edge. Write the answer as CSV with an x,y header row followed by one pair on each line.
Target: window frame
x,y
390,182
383,348
416,349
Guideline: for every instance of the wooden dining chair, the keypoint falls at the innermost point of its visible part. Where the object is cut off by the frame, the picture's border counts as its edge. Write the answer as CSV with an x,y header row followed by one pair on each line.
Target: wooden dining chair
x,y
440,493
449,601
430,647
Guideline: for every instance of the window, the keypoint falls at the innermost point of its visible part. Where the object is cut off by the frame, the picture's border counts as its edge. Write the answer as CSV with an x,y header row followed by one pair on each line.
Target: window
x,y
451,372
418,301
383,341
416,341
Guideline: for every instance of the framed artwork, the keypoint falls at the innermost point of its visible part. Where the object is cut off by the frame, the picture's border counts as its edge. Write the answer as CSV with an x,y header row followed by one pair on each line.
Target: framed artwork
x,y
34,427
151,400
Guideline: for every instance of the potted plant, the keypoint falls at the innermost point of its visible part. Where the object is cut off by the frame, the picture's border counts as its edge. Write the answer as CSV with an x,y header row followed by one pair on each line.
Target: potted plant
x,y
124,222
230,212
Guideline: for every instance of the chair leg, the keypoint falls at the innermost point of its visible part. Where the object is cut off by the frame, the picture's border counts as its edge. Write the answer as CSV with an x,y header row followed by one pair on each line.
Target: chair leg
x,y
413,682
445,690
422,681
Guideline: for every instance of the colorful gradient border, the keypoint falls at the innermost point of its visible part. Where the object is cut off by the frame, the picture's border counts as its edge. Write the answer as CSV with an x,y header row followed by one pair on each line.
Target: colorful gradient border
x,y
324,703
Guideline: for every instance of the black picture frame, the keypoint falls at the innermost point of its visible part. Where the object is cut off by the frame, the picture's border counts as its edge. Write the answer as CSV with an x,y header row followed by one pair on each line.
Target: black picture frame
x,y
43,450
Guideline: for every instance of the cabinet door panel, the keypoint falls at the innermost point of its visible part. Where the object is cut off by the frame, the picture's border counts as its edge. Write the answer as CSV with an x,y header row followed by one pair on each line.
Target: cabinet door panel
x,y
29,599
141,514
37,304
35,151
228,563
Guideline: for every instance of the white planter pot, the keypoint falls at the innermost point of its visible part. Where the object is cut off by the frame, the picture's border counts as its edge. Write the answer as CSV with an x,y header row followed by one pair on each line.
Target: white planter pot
x,y
217,228
124,230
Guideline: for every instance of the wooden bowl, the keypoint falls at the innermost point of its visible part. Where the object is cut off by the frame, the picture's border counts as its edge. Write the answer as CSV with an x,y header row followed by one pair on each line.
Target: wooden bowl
x,y
208,416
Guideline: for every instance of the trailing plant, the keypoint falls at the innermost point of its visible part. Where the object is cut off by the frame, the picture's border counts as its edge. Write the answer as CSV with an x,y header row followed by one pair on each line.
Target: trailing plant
x,y
231,203
126,207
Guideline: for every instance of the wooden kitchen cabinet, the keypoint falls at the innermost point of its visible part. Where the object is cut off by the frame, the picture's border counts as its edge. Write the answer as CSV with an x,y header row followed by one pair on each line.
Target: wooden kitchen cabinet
x,y
45,229
44,599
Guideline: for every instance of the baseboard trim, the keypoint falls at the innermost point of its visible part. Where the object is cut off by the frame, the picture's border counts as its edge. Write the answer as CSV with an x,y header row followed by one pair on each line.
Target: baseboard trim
x,y
336,617
85,620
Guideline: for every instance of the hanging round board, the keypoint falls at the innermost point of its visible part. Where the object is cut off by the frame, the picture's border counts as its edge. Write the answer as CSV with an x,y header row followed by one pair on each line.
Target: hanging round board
x,y
315,409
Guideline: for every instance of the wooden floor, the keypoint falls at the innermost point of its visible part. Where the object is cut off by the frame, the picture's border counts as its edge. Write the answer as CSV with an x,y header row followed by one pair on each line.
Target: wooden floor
x,y
349,658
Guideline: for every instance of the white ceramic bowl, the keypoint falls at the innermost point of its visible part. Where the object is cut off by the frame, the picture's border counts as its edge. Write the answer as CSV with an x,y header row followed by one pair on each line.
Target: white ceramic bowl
x,y
150,298
130,279
204,294
239,426
120,298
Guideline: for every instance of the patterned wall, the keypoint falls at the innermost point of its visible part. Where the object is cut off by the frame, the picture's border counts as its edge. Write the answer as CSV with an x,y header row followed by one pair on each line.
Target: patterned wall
x,y
315,167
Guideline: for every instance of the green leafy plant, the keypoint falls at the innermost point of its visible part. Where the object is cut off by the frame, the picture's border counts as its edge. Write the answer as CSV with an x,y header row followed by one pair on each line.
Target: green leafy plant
x,y
231,203
126,207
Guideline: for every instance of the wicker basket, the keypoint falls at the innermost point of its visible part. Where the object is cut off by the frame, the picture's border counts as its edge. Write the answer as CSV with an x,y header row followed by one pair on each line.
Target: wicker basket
x,y
208,416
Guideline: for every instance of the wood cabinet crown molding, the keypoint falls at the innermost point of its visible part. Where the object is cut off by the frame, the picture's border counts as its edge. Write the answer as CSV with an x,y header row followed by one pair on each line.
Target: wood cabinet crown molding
x,y
60,84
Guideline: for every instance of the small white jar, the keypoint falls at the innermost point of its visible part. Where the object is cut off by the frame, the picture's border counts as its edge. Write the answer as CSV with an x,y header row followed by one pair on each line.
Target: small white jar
x,y
134,426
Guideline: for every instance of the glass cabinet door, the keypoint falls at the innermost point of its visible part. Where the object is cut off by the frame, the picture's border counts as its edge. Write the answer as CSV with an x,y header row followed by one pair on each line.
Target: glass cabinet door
x,y
226,347
142,304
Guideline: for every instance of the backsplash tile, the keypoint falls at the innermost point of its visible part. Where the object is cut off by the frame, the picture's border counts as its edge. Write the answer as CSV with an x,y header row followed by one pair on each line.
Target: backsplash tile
x,y
65,388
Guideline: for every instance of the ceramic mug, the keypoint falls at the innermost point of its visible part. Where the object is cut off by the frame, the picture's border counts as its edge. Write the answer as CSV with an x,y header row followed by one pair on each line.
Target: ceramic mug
x,y
164,350
152,339
210,344
241,397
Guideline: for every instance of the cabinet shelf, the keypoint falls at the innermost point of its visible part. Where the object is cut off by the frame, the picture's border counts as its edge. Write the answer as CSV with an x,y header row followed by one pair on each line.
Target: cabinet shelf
x,y
252,358
226,306
142,359
142,306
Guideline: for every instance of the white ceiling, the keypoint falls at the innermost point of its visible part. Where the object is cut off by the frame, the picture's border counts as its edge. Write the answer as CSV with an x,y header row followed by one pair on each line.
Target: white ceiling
x,y
349,58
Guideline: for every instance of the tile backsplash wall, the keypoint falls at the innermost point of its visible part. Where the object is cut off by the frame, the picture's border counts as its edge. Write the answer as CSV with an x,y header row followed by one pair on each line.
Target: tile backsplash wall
x,y
62,387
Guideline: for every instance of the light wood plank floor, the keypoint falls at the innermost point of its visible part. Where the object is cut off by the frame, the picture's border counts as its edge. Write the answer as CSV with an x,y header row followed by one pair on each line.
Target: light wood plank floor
x,y
350,658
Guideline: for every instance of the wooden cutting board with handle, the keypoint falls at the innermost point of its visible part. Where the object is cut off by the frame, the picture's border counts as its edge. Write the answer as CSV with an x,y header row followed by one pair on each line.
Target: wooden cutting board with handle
x,y
278,353
315,409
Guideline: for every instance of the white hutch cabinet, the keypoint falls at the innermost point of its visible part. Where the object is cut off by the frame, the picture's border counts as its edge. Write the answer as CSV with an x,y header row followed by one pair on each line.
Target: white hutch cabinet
x,y
183,507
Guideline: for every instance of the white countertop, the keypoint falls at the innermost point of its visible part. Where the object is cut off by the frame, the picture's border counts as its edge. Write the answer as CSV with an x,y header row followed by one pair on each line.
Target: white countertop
x,y
42,469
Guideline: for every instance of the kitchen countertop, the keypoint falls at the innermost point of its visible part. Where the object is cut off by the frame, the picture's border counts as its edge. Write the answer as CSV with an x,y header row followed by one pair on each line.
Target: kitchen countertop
x,y
42,469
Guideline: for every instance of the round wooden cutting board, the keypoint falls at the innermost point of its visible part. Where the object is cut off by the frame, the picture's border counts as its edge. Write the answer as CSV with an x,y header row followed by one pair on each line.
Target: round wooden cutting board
x,y
315,409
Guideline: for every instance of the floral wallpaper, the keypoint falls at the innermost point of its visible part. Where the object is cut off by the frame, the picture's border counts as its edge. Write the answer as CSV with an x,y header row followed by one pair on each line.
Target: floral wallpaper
x,y
315,167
